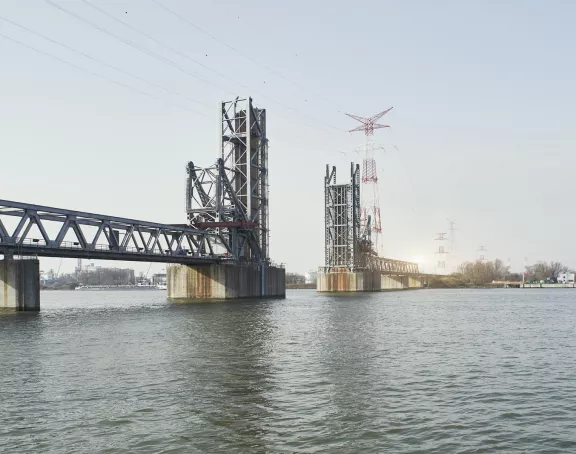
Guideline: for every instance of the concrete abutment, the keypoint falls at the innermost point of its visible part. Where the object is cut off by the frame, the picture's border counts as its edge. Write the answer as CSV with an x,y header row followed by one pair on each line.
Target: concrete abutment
x,y
365,281
225,281
19,284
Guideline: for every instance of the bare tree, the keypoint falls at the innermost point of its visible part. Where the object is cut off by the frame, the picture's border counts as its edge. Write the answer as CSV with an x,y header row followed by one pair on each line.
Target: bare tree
x,y
542,270
479,273
295,278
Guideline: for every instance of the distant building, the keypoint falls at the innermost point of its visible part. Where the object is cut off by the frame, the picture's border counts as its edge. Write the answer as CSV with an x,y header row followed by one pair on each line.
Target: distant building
x,y
96,275
565,278
91,267
47,278
159,278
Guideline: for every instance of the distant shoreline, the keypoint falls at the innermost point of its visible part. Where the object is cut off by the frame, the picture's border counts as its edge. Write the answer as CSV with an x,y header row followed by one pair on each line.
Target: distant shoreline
x,y
300,286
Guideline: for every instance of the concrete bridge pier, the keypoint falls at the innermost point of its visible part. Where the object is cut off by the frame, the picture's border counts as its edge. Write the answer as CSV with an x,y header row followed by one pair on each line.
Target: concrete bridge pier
x,y
392,282
19,284
225,281
415,282
342,280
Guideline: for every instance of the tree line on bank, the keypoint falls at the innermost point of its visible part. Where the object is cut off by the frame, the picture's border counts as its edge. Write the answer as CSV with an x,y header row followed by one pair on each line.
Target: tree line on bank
x,y
481,273
295,279
97,276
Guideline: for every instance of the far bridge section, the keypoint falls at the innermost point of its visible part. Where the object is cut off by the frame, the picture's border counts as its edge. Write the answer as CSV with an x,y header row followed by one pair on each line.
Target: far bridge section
x,y
351,264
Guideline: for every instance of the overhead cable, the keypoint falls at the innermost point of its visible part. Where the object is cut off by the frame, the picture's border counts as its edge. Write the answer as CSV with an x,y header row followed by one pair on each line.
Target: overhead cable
x,y
99,75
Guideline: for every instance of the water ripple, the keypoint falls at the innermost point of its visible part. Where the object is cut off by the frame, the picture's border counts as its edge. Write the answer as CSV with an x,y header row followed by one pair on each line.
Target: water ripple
x,y
427,371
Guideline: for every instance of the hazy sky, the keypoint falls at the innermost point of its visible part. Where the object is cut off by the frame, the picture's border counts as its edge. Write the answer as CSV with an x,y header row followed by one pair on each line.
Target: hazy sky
x,y
483,96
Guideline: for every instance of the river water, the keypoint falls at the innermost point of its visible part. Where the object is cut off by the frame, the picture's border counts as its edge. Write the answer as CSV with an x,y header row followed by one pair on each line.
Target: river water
x,y
417,371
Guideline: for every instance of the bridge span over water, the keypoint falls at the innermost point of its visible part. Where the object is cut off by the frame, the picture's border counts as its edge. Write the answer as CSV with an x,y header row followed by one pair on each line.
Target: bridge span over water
x,y
222,251
55,232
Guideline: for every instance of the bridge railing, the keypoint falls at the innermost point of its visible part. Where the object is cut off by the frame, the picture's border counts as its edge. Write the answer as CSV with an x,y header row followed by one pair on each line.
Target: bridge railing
x,y
387,266
395,266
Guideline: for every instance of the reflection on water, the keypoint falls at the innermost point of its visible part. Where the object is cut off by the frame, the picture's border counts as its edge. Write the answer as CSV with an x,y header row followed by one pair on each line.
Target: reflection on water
x,y
224,359
419,371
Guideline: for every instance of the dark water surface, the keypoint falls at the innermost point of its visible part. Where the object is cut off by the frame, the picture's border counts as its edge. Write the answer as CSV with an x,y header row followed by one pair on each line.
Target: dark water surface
x,y
419,371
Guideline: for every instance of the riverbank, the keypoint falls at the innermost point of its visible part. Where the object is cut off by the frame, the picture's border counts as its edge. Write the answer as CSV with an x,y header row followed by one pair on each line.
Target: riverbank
x,y
451,281
448,282
300,286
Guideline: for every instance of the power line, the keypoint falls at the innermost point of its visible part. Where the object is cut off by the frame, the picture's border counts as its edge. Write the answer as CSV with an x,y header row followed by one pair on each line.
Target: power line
x,y
99,75
201,30
166,46
102,62
117,68
168,61
105,64
135,46
102,76
239,52
160,43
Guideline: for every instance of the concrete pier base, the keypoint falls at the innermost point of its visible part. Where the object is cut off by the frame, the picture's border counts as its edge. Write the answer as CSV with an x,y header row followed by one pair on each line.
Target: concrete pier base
x,y
364,281
19,284
225,281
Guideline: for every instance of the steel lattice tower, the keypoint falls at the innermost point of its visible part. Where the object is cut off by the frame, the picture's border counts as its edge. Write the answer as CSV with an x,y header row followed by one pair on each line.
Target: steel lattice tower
x,y
230,198
453,253
441,265
344,246
482,253
370,199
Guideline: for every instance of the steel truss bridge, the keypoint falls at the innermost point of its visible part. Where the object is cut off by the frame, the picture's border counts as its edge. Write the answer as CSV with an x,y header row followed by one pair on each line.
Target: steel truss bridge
x,y
54,232
226,204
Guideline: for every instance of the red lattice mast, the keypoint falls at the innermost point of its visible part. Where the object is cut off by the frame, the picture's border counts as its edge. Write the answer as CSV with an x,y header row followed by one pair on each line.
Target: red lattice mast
x,y
369,124
370,197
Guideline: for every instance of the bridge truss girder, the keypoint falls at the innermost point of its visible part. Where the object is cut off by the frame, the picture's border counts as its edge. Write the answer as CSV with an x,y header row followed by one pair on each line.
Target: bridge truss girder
x,y
391,266
99,236
213,204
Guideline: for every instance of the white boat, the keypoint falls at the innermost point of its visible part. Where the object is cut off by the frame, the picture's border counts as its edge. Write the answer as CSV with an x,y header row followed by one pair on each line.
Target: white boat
x,y
161,286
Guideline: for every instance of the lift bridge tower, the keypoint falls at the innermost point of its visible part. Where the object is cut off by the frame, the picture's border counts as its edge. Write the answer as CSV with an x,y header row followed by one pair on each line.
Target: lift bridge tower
x,y
230,200
351,263
343,231
231,197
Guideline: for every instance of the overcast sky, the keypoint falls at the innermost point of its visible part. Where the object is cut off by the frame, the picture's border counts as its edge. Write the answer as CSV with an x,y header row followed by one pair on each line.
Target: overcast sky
x,y
483,118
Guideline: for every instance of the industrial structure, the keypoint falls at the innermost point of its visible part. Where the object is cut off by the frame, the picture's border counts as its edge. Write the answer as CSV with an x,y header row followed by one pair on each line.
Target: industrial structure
x,y
370,198
221,252
441,252
353,225
351,263
229,200
482,254
453,249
